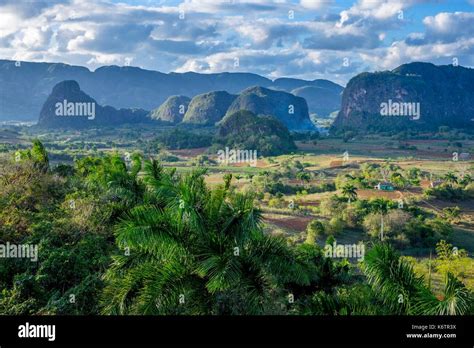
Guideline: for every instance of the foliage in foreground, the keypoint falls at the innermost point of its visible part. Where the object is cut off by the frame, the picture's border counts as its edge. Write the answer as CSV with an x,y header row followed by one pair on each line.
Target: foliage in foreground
x,y
403,292
122,236
191,250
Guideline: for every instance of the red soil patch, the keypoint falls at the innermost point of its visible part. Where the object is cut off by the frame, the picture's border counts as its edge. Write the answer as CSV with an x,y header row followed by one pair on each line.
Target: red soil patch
x,y
336,163
425,184
432,154
395,195
293,223
467,207
310,203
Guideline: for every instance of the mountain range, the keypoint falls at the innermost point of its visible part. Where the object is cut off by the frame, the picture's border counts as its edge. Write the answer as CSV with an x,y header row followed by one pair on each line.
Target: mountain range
x,y
25,86
70,107
418,96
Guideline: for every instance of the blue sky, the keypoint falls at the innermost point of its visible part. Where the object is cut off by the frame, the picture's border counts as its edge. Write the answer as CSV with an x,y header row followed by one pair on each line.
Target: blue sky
x,y
332,39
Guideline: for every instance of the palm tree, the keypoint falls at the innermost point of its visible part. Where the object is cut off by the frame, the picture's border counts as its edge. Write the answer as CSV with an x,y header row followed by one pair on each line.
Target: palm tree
x,y
250,177
380,205
349,177
451,214
466,179
110,178
37,155
401,291
349,191
456,300
123,182
451,178
414,173
196,251
398,179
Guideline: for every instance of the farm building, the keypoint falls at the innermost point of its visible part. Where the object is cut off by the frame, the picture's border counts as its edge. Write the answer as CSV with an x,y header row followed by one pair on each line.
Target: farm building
x,y
384,186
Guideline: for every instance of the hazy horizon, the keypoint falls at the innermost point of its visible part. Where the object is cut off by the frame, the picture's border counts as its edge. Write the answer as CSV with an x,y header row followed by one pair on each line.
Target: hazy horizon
x,y
212,73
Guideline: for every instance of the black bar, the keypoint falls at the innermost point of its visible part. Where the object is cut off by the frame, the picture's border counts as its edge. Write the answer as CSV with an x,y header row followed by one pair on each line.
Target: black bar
x,y
225,330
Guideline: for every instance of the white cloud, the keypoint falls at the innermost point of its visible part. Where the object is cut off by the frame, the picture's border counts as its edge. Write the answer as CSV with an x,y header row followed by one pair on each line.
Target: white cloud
x,y
450,25
441,53
379,9
315,4
9,22
215,32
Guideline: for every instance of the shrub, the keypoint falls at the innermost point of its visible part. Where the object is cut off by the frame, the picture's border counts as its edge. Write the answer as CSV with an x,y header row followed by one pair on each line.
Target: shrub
x,y
394,222
314,230
335,226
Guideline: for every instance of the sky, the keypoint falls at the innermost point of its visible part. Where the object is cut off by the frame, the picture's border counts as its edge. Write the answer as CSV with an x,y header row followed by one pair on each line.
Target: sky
x,y
308,39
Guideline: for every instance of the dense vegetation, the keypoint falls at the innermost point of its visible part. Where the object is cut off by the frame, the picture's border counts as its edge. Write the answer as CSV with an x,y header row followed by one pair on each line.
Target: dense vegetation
x,y
182,139
244,130
128,236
